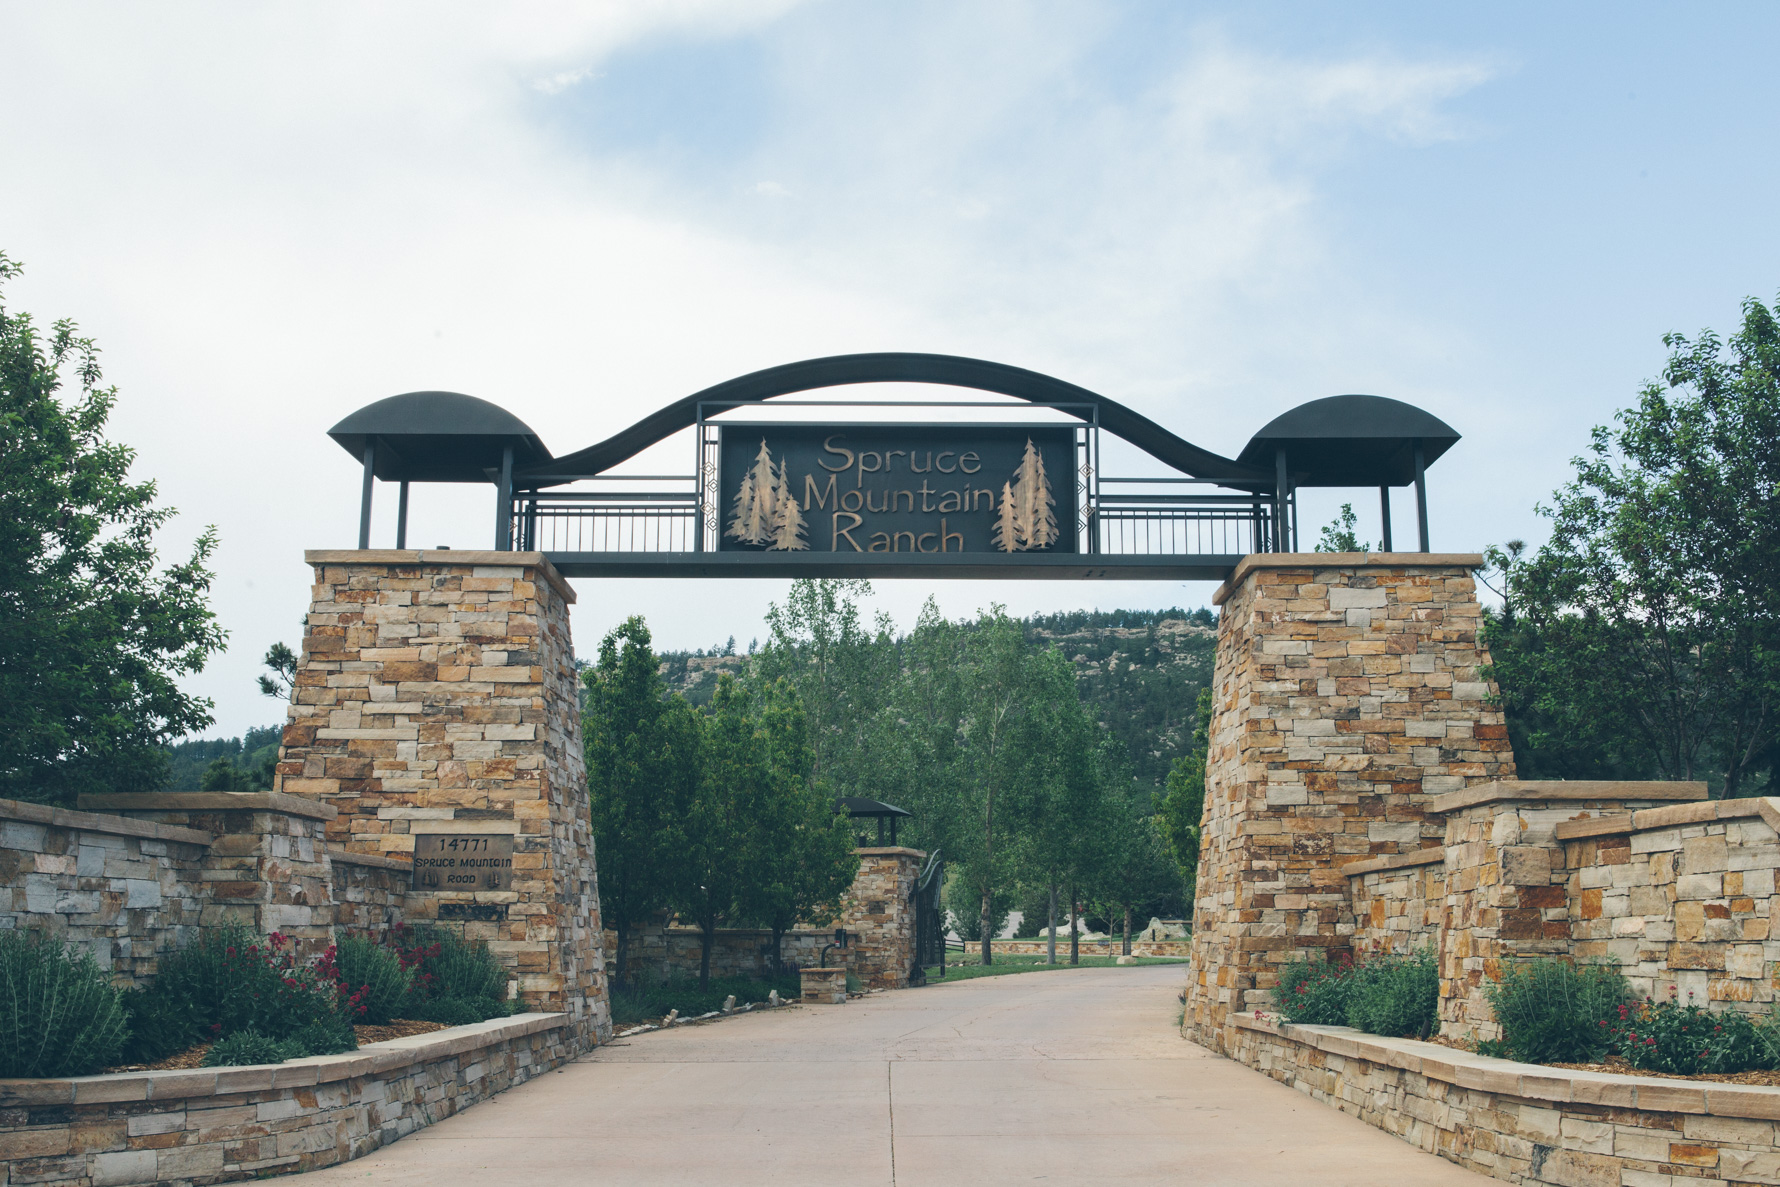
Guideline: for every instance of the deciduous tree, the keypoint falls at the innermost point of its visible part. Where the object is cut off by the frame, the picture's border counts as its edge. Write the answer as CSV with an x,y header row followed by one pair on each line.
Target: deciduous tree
x,y
93,632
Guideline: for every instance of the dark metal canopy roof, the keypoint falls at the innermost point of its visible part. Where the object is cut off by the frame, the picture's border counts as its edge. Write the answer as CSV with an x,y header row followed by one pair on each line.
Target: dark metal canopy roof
x,y
1351,441
438,437
859,806
901,367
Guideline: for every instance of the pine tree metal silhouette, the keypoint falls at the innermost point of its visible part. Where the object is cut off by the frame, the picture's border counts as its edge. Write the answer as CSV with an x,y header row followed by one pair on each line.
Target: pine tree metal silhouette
x,y
788,524
1007,530
765,511
756,499
1028,518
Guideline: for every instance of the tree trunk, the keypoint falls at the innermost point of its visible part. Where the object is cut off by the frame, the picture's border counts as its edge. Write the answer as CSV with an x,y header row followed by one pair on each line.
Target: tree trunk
x,y
621,925
1051,951
1075,931
1127,948
707,933
986,919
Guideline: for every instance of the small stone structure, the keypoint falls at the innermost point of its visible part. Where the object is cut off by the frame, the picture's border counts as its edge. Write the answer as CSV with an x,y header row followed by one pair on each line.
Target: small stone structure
x,y
876,913
824,986
210,1125
437,694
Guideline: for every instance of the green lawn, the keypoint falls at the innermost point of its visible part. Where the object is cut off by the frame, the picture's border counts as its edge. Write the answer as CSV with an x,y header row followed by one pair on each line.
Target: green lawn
x,y
1006,964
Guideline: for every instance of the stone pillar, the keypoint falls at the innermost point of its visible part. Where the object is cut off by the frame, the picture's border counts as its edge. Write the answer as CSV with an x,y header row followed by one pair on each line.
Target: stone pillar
x,y
879,915
1347,691
1508,892
437,694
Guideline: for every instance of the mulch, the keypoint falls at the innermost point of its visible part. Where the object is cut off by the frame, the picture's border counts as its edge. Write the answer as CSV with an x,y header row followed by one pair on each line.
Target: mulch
x,y
193,1057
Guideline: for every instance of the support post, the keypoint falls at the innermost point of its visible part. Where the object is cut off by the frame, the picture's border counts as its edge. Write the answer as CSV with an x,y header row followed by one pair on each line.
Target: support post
x,y
1279,500
1421,497
1384,514
402,517
503,504
364,498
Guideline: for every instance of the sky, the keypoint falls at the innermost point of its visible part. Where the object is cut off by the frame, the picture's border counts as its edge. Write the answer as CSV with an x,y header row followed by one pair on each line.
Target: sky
x,y
271,215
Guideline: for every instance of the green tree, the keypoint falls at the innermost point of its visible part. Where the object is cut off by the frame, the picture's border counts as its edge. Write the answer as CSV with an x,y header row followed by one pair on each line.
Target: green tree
x,y
1137,870
1645,634
734,787
1338,535
642,750
798,854
281,664
93,634
1182,805
842,670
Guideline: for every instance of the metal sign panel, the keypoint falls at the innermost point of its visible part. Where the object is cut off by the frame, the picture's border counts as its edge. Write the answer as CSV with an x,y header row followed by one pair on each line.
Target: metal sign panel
x,y
909,489
463,861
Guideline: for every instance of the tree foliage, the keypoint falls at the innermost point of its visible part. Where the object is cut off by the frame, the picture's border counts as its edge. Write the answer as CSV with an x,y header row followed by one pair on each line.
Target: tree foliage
x,y
1182,805
1644,637
643,760
93,633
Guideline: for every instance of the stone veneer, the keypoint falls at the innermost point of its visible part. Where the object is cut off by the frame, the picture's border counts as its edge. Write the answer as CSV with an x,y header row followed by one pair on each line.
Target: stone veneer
x,y
1526,1123
1348,689
437,693
878,913
1506,887
213,1125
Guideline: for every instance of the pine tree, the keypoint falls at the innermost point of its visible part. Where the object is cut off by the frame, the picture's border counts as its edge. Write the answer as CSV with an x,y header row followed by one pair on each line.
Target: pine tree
x,y
788,523
1007,526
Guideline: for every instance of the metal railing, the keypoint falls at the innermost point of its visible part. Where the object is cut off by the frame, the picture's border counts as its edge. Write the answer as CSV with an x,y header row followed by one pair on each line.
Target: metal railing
x,y
597,521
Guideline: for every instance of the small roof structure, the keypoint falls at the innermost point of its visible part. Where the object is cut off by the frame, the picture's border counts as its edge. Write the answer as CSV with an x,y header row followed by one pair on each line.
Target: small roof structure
x,y
1351,440
859,806
438,437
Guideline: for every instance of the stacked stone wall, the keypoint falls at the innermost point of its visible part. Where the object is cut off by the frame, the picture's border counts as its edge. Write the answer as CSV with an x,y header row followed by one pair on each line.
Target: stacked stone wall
x,y
1526,1124
213,1125
1348,689
123,890
370,892
437,694
1507,888
1397,908
1682,900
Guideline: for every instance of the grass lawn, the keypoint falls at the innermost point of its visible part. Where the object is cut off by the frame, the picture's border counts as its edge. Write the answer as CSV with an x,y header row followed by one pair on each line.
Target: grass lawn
x,y
1006,964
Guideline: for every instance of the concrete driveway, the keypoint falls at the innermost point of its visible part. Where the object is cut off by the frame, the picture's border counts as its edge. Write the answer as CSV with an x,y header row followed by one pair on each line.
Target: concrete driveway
x,y
1075,1076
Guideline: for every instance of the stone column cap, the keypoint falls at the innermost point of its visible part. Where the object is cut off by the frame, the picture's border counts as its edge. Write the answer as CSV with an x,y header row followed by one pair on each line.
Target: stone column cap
x,y
448,556
211,801
890,851
1565,789
1342,560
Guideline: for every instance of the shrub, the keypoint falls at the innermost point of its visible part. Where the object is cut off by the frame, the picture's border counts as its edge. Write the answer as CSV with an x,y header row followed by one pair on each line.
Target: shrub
x,y
59,1015
247,1047
372,980
160,1025
1552,1011
1688,1040
232,980
1313,991
1395,995
445,966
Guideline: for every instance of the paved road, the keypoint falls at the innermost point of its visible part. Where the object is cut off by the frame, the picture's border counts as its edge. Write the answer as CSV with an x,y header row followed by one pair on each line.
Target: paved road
x,y
1076,1076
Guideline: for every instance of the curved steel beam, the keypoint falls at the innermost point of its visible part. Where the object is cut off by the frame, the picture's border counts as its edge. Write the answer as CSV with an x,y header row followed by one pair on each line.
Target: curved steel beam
x,y
898,367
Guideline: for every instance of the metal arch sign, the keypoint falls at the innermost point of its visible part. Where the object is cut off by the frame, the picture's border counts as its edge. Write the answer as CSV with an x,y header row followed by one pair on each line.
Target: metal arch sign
x,y
936,489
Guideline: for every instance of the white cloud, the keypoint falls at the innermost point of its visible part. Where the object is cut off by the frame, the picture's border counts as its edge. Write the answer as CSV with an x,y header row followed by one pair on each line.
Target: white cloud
x,y
269,217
